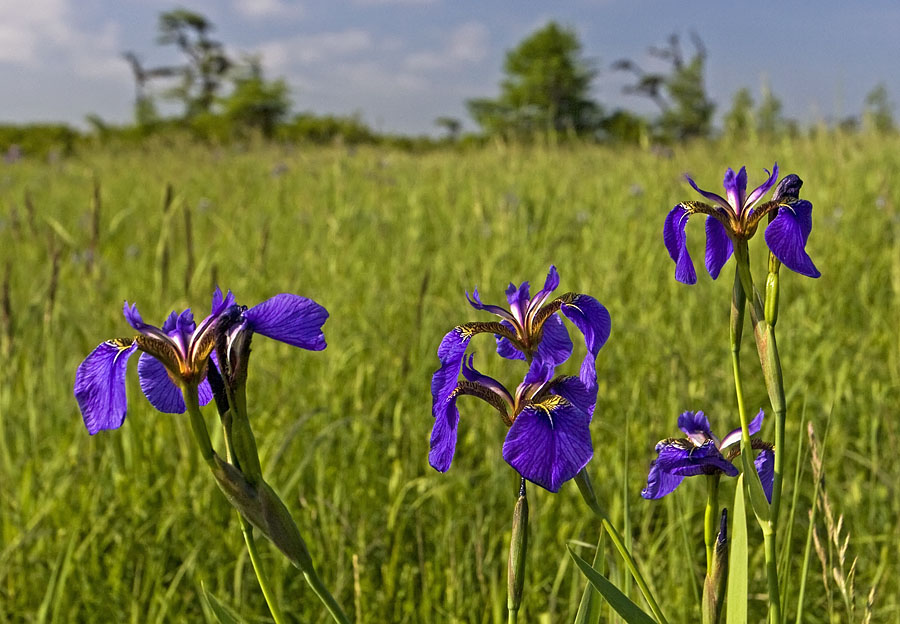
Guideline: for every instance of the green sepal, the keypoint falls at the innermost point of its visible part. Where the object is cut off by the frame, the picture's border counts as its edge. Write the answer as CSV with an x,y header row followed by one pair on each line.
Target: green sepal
x,y
758,501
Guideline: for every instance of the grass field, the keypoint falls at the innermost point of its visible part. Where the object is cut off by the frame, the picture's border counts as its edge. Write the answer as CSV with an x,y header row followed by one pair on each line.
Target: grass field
x,y
126,525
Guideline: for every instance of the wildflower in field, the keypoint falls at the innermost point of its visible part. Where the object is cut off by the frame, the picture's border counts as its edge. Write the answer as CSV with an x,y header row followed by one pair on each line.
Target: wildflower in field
x,y
701,453
736,217
176,355
548,441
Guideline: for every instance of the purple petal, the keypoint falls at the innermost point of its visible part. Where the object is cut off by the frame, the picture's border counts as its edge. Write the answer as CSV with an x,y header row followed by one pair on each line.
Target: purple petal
x,y
518,300
158,387
660,483
752,429
204,390
688,462
475,302
292,319
718,246
549,446
765,467
555,346
539,373
592,320
220,303
575,392
471,374
451,353
550,284
100,386
763,188
505,348
695,426
676,242
787,234
170,323
713,197
134,319
444,433
736,188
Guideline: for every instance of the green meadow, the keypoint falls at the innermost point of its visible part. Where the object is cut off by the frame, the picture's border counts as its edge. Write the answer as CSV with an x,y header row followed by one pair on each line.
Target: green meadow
x,y
128,526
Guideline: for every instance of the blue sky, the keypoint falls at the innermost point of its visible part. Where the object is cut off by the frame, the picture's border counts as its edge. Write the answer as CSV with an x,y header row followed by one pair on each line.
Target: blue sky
x,y
402,63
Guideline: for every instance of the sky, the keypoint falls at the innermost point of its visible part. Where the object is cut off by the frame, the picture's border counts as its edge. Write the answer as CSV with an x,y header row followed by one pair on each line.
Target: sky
x,y
400,64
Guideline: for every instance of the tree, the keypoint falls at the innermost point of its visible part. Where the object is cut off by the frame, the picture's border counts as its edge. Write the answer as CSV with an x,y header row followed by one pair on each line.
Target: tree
x,y
207,66
255,102
770,121
451,125
739,120
685,109
878,115
546,88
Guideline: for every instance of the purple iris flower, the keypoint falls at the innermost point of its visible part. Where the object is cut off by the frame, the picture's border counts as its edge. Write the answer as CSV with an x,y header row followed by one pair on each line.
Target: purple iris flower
x,y
548,441
736,217
701,453
177,355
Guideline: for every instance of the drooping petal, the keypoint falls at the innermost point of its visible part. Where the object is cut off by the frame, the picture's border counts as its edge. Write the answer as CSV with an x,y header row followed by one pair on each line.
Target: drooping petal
x,y
158,387
444,433
475,302
659,482
550,443
505,348
695,426
713,197
735,434
736,188
676,242
289,318
688,460
451,352
136,321
556,345
100,386
765,467
592,319
787,234
763,188
718,246
575,392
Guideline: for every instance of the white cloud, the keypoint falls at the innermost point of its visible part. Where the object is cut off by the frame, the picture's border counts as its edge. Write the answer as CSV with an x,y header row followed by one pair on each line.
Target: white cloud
x,y
269,9
466,45
283,55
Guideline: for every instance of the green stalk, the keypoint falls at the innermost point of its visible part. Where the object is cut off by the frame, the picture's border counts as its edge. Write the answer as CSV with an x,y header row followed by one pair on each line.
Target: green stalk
x,y
198,424
711,520
247,530
312,577
518,547
583,480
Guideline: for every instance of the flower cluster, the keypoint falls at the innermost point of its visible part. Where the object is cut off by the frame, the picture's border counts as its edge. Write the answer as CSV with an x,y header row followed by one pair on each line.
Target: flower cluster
x,y
548,441
177,355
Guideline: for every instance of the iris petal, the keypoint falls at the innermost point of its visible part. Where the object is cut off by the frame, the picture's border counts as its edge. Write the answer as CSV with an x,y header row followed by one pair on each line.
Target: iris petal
x,y
451,353
505,348
289,318
763,188
549,445
765,467
689,462
713,197
164,395
695,426
550,284
736,188
787,234
475,302
556,345
100,386
444,433
472,374
575,392
676,242
660,483
592,320
735,434
718,246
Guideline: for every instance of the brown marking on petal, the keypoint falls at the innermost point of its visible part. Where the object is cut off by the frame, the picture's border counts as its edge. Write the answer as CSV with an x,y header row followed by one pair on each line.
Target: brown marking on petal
x,y
121,343
468,330
163,351
475,389
199,351
549,310
756,445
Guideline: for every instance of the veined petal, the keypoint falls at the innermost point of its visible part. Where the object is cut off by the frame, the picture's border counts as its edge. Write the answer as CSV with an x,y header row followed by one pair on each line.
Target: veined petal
x,y
470,373
787,234
695,426
736,188
592,320
688,461
713,197
289,318
100,386
505,348
136,321
735,435
518,301
575,392
676,242
549,443
556,345
550,284
158,387
763,188
451,352
718,246
444,433
660,482
765,467
475,302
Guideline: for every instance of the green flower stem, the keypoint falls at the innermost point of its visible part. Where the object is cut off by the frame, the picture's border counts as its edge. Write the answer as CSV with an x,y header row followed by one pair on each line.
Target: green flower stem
x,y
247,530
518,548
198,424
772,573
711,520
583,480
312,577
